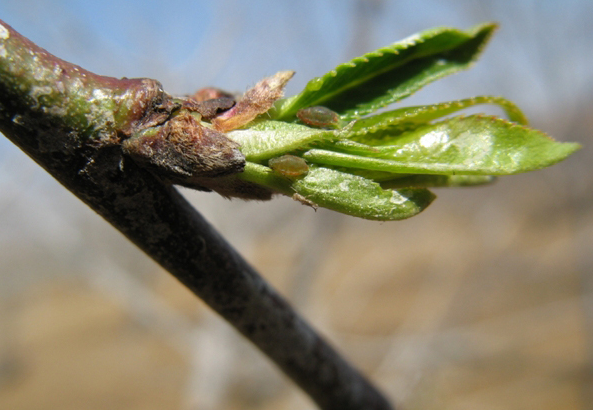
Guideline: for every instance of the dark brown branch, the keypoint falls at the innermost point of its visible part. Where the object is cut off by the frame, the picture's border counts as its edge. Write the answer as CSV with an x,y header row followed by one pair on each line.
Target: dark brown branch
x,y
71,122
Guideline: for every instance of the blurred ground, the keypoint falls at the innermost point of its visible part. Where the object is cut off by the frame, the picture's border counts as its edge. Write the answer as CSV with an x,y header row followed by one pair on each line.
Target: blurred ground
x,y
484,301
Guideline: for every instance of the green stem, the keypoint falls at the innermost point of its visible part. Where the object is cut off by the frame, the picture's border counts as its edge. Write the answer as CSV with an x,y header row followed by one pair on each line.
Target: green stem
x,y
262,175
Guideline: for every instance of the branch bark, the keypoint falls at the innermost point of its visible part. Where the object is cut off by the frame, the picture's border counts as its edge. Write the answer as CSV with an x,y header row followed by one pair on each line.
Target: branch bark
x,y
72,123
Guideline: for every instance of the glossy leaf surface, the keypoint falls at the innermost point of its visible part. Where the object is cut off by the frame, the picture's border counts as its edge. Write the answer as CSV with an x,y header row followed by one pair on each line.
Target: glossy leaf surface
x,y
387,75
474,145
357,196
438,181
379,166
381,128
274,138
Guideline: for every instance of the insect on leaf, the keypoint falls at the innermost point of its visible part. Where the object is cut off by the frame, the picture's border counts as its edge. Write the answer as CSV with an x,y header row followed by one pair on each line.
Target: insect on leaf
x,y
318,116
379,166
289,166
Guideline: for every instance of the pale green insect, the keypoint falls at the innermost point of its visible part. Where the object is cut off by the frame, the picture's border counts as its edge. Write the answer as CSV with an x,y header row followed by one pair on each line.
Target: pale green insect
x,y
319,117
289,166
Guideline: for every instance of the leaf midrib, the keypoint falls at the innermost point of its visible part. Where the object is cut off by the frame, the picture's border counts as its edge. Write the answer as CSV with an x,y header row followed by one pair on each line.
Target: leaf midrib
x,y
376,73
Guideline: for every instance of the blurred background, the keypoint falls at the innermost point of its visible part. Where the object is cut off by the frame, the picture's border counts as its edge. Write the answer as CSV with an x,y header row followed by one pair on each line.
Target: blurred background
x,y
484,301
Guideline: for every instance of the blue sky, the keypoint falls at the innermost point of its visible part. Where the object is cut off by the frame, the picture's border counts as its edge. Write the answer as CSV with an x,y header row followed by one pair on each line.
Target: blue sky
x,y
230,43
540,58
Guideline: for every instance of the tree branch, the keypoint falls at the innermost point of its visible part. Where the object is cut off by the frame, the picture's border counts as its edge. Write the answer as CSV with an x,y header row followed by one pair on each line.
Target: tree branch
x,y
72,122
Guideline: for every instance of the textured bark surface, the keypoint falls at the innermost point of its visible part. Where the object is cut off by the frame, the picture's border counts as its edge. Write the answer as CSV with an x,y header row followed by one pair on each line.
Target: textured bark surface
x,y
72,123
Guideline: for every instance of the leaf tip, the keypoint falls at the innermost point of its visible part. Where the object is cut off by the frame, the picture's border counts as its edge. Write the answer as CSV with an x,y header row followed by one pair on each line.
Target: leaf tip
x,y
488,27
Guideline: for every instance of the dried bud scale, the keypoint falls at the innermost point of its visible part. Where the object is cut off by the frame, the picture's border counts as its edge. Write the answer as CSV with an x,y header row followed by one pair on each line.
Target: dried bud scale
x,y
209,109
254,102
210,93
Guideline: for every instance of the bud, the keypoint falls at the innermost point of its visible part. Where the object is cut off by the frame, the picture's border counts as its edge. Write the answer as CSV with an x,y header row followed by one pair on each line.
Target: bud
x,y
183,151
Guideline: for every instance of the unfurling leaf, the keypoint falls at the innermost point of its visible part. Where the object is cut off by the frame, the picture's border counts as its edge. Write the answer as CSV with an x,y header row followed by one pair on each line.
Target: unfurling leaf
x,y
274,138
378,166
389,74
474,145
324,148
357,196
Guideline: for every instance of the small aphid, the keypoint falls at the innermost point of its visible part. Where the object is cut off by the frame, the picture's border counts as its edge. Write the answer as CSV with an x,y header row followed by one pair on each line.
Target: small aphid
x,y
289,166
318,116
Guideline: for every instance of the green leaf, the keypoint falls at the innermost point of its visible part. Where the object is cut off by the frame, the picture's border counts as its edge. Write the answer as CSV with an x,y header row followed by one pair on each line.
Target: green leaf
x,y
438,181
342,192
357,196
474,145
378,167
389,74
274,138
377,129
262,175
